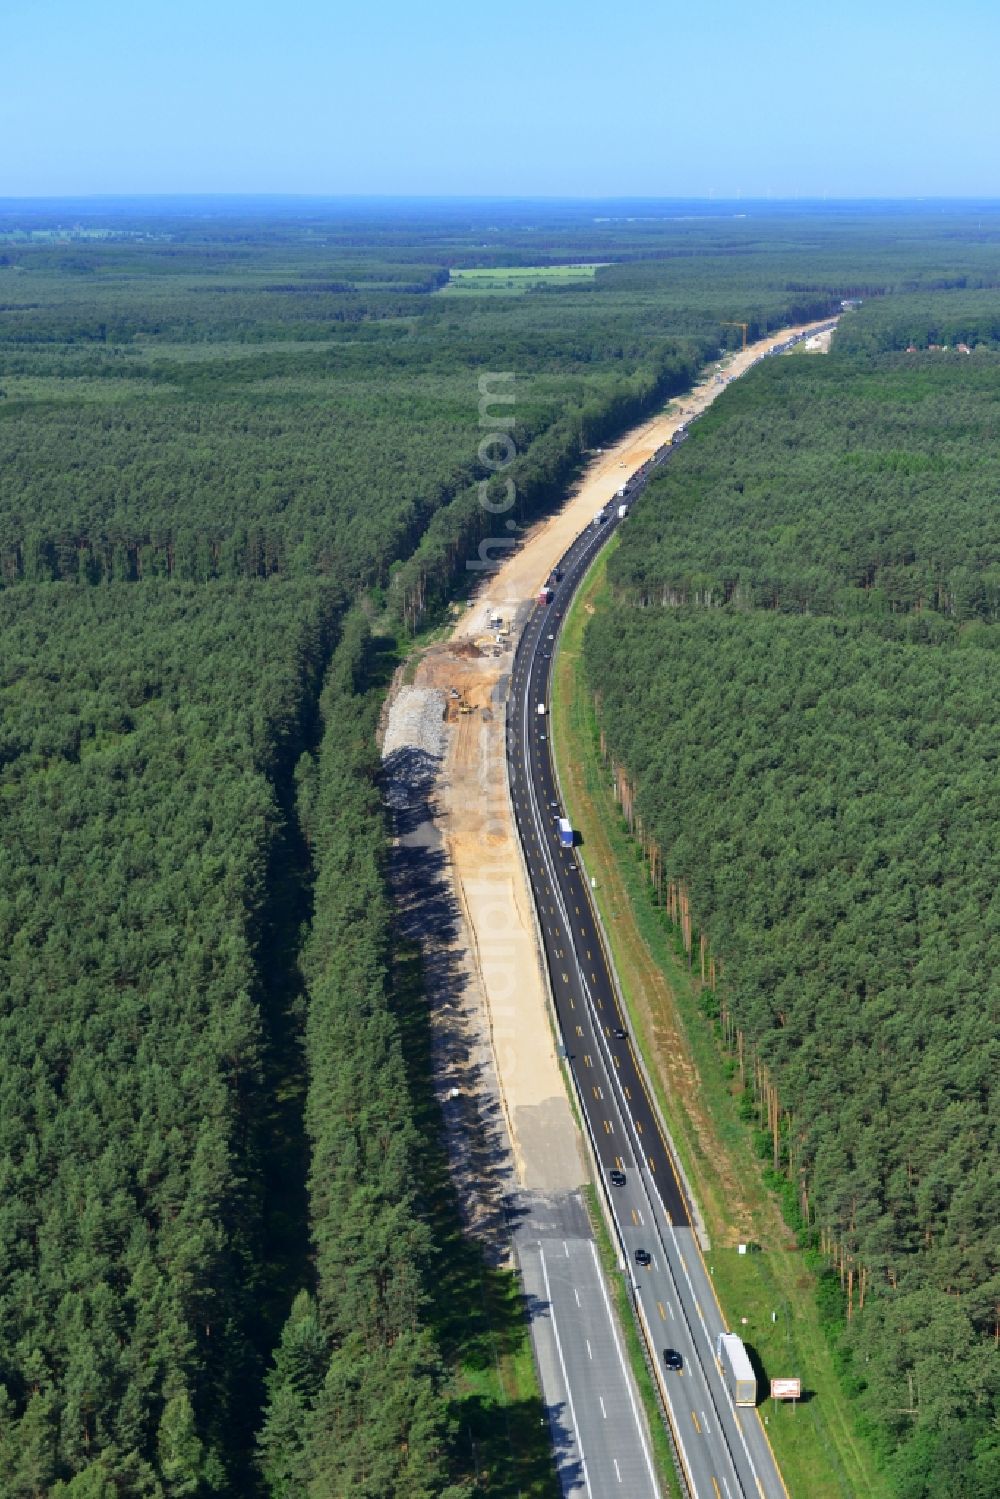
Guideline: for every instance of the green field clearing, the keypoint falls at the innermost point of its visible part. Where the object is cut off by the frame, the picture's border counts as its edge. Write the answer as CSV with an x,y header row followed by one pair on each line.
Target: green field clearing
x,y
519,278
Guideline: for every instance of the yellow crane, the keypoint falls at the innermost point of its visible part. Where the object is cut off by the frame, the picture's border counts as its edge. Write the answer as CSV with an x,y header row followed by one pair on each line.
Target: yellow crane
x,y
744,326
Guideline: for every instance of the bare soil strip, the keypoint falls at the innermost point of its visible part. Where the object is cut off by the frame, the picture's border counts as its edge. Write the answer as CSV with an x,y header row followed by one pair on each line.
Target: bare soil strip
x,y
491,935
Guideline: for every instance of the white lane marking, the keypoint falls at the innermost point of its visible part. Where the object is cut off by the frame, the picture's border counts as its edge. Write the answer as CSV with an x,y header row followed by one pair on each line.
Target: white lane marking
x,y
708,1429
628,1383
562,1365
590,1351
618,1471
577,1295
603,1411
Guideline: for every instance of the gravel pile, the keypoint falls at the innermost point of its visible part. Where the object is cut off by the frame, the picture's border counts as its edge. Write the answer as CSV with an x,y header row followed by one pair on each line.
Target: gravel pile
x,y
412,751
416,721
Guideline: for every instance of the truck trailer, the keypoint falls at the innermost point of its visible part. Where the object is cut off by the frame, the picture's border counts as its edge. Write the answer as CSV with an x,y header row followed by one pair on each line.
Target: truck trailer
x,y
545,595
737,1369
565,832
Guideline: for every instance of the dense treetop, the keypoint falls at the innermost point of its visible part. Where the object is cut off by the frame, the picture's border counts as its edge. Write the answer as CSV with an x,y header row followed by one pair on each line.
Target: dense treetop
x,y
140,734
821,485
825,789
218,428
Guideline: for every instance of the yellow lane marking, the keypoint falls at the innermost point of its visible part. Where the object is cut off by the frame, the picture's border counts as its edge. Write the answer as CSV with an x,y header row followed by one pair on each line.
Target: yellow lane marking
x,y
670,1159
652,1163
579,1030
716,1488
663,1315
694,1418
587,1062
628,1095
638,1126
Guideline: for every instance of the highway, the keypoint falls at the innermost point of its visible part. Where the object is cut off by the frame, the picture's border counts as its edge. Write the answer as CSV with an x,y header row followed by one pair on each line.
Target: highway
x,y
723,1451
595,1419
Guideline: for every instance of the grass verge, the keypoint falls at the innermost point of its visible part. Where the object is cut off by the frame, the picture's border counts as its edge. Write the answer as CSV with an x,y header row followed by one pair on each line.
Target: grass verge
x,y
817,1444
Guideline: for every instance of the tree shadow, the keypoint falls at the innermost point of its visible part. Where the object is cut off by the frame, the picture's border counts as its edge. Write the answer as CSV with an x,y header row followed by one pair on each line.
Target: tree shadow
x,y
509,1454
475,1306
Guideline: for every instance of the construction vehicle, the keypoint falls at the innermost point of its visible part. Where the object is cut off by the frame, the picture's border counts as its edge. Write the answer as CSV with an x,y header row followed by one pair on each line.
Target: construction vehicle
x,y
744,326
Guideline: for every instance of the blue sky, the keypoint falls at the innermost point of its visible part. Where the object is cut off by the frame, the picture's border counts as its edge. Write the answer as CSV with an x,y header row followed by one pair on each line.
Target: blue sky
x,y
761,97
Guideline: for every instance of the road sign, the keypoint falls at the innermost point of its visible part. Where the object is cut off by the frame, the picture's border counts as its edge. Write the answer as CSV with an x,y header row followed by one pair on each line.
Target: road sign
x,y
786,1389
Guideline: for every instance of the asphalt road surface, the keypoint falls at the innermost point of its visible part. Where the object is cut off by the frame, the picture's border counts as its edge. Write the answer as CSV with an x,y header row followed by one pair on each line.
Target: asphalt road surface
x,y
723,1450
598,1432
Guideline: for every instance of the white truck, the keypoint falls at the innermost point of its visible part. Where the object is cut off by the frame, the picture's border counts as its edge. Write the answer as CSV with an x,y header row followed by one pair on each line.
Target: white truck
x,y
736,1368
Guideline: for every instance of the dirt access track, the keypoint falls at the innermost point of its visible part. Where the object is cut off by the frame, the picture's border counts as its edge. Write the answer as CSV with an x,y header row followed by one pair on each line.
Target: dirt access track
x,y
472,810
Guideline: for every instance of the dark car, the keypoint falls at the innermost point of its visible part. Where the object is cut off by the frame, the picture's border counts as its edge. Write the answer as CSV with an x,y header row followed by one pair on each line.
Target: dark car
x,y
618,1033
616,1178
672,1359
643,1257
